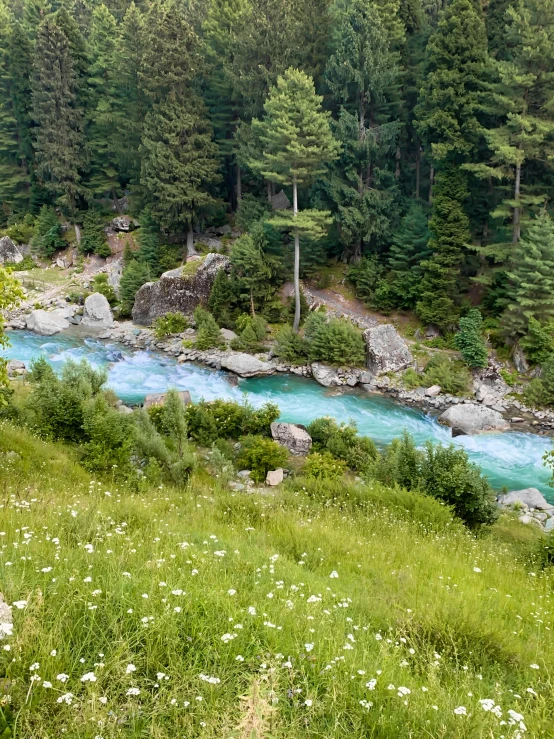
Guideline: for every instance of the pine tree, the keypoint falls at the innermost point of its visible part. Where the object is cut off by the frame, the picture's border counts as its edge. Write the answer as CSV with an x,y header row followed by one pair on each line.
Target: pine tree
x,y
469,340
220,299
16,151
408,250
531,291
100,136
59,142
208,335
149,241
297,143
180,164
48,233
361,74
134,276
448,123
251,270
94,236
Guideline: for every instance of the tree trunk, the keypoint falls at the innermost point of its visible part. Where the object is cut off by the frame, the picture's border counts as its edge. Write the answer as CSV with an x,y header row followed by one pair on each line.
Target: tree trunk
x,y
191,251
516,220
116,201
239,185
77,235
357,256
431,179
252,303
296,324
397,169
417,170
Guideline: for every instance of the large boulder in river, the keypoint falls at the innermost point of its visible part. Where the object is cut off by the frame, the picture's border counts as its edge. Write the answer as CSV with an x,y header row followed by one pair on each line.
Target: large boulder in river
x,y
46,323
245,365
9,251
178,291
97,312
295,438
325,375
530,497
386,350
469,418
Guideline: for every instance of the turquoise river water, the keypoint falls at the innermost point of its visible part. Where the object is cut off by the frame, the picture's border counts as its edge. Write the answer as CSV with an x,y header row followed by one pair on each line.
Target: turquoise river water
x,y
511,459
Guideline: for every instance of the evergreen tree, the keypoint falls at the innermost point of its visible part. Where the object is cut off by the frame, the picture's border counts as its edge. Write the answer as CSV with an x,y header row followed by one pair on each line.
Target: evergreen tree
x,y
180,164
103,45
59,142
134,276
450,101
149,241
220,298
94,236
48,233
531,290
469,340
409,249
208,335
361,74
16,151
297,142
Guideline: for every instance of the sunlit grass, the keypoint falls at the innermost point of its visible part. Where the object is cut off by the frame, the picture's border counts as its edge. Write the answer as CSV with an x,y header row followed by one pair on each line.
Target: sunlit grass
x,y
200,613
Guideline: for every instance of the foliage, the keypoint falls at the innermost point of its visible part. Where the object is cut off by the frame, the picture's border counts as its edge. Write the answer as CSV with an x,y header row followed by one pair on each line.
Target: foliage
x,y
100,285
540,391
538,343
260,455
10,295
48,233
94,236
290,346
342,442
469,340
134,276
208,335
170,323
338,342
253,332
251,210
224,419
322,465
452,376
109,438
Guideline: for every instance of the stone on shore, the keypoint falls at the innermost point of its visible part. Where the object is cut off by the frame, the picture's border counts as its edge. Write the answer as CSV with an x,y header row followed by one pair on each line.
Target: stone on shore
x,y
469,418
97,312
274,477
386,350
43,323
325,375
178,292
9,251
295,438
245,365
529,497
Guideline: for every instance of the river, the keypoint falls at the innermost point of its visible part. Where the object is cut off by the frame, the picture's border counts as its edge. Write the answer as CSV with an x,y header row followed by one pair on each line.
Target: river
x,y
511,459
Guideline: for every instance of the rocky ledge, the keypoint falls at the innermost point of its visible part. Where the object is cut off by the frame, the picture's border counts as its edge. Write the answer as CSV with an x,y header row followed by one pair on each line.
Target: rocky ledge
x,y
532,506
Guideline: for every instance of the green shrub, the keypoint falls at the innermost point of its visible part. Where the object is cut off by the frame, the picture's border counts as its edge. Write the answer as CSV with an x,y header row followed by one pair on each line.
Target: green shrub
x,y
134,276
48,233
170,323
260,455
469,340
110,438
208,334
366,277
540,391
93,240
452,376
253,331
322,465
411,379
538,343
251,209
338,342
27,263
225,419
22,232
342,442
290,346
100,285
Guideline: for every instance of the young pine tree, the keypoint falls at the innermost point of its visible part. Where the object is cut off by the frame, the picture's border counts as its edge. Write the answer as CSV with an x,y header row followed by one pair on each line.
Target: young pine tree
x,y
134,276
149,240
469,340
48,233
531,291
296,143
408,250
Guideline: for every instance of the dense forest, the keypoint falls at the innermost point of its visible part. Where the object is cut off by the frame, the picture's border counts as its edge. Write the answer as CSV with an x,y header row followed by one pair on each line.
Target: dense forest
x,y
414,140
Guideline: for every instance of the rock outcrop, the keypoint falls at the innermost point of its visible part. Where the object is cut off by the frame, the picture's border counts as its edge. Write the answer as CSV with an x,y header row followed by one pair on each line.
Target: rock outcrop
x,y
469,418
245,365
97,312
177,292
295,438
529,498
9,251
386,350
46,323
325,375
159,398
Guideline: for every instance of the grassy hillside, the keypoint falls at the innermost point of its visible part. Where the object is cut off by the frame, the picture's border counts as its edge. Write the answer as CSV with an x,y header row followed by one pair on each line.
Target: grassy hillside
x,y
314,612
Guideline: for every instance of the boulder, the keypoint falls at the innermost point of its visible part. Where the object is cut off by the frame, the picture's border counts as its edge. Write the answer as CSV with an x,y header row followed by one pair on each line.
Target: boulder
x,y
386,350
245,365
530,497
9,251
292,436
46,324
469,418
227,334
519,360
122,223
210,242
433,391
15,367
280,201
274,477
114,270
326,376
159,398
97,312
177,292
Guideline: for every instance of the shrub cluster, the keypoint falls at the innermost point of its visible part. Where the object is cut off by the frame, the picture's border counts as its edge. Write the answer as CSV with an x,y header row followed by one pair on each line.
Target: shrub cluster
x,y
224,419
259,455
208,334
252,333
336,341
170,323
452,375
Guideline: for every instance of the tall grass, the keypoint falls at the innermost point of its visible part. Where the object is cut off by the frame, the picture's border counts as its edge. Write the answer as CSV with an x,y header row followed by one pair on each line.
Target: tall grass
x,y
316,612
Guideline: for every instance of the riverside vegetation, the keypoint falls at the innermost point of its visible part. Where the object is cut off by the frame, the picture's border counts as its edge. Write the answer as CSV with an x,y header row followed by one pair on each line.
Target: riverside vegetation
x,y
149,597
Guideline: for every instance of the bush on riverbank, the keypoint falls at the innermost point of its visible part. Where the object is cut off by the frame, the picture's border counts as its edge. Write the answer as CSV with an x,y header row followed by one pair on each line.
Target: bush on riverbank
x,y
336,341
333,606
